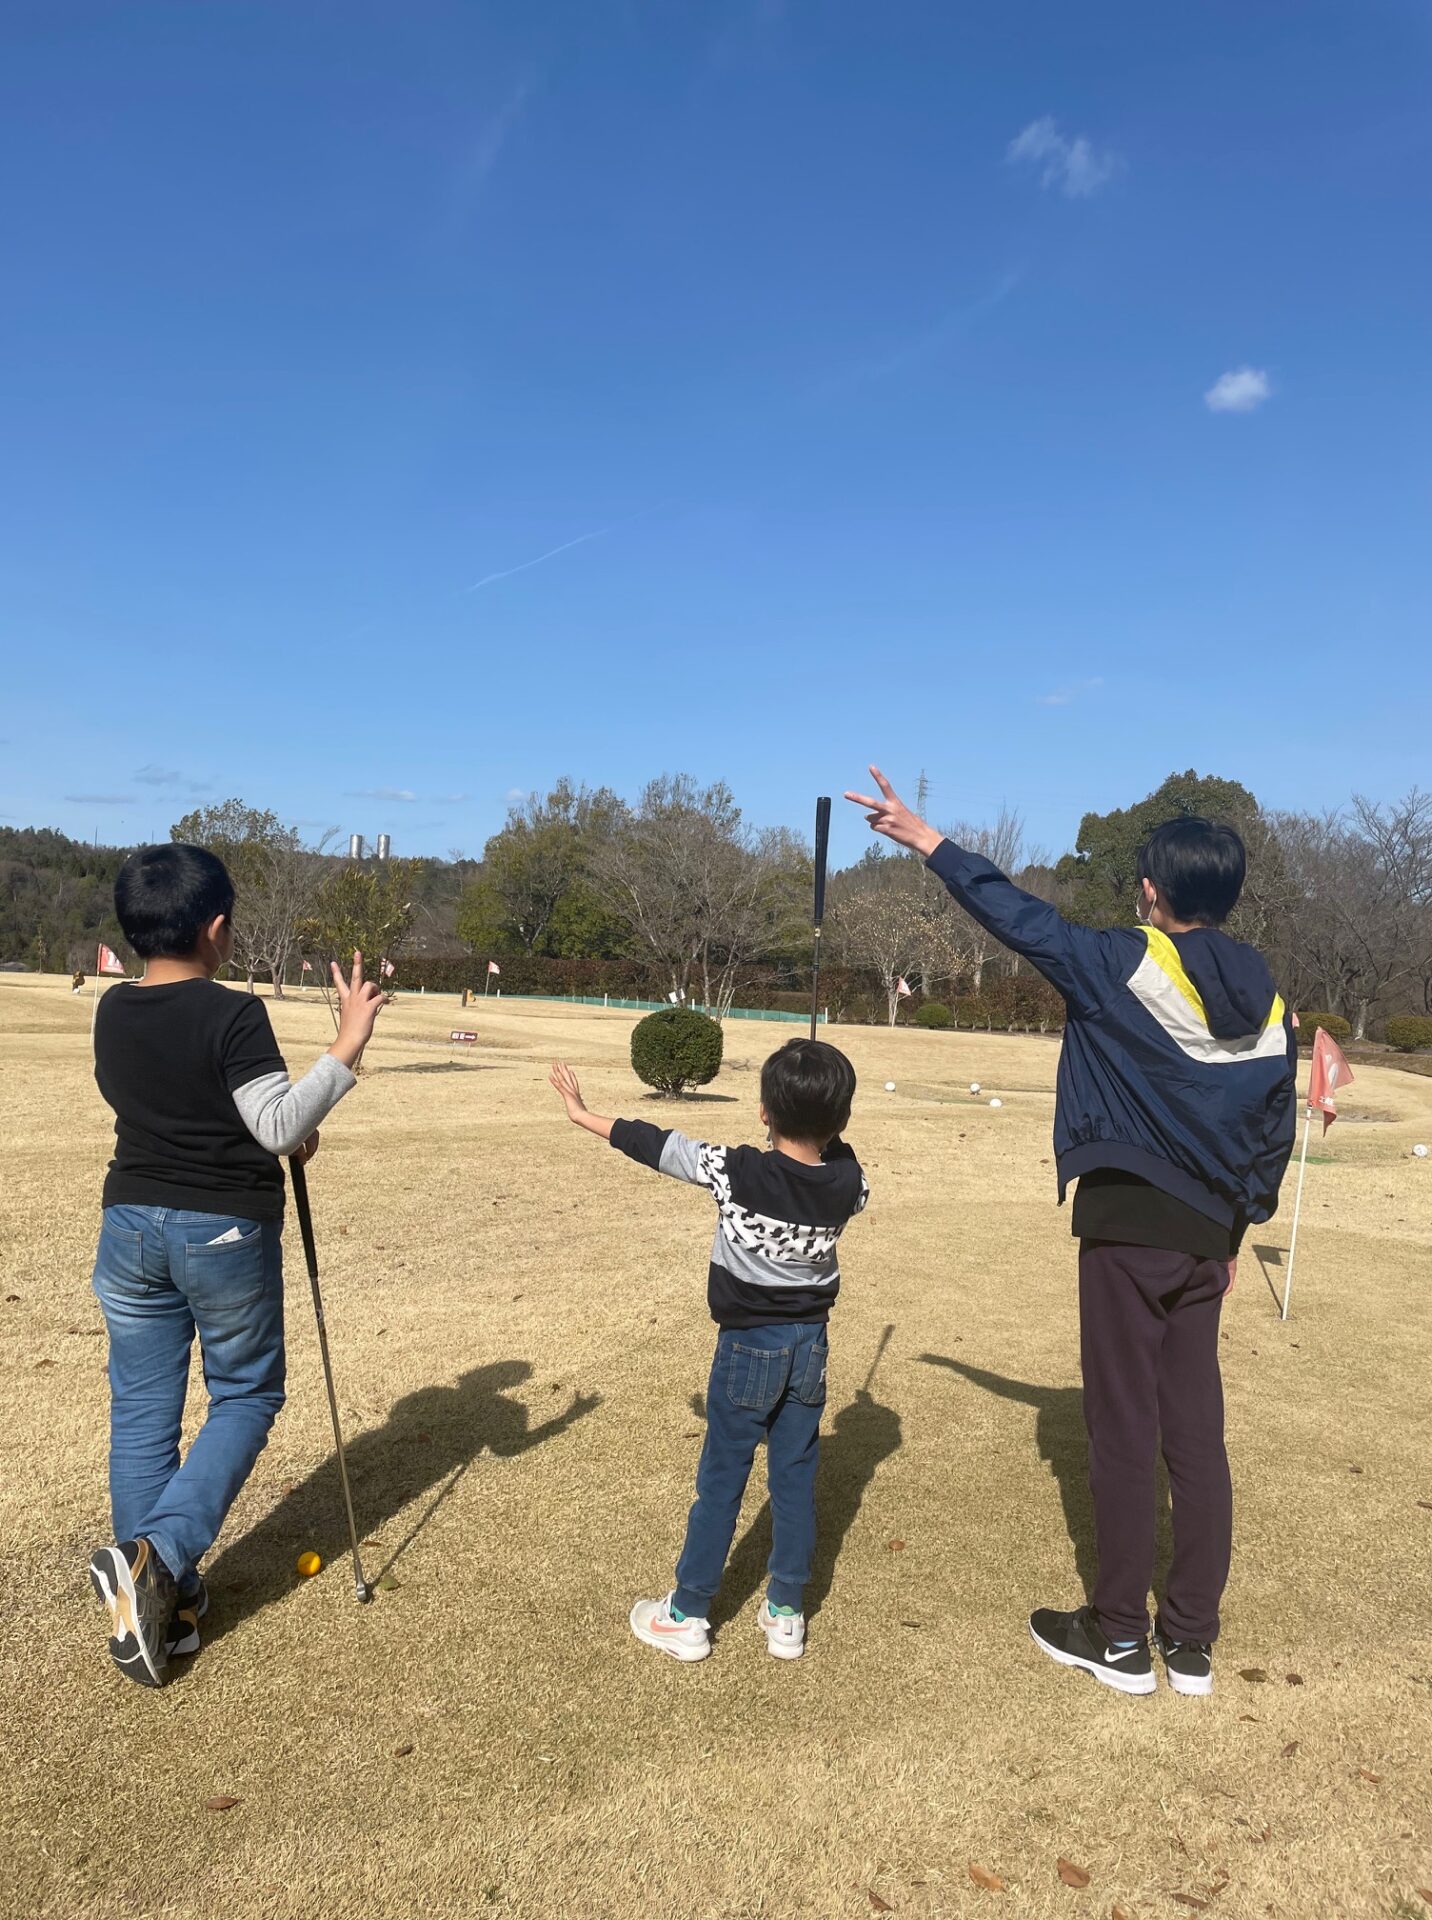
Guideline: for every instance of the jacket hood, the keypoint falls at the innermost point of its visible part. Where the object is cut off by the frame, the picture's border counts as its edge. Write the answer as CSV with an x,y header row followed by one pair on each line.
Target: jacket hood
x,y
1232,979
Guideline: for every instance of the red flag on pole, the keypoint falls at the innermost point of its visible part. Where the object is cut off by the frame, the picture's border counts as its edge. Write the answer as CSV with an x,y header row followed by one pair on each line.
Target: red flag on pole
x,y
306,967
1330,1072
902,988
492,967
388,969
109,961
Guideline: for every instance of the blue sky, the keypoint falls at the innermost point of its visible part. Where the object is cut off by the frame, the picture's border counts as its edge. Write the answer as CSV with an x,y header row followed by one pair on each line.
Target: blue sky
x,y
851,365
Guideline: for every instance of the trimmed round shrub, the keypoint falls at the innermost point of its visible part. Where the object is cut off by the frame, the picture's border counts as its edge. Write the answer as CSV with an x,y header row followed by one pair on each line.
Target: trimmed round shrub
x,y
1409,1031
1308,1024
934,1013
675,1049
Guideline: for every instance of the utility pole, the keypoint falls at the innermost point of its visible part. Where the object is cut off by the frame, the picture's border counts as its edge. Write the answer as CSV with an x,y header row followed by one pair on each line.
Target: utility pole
x,y
922,795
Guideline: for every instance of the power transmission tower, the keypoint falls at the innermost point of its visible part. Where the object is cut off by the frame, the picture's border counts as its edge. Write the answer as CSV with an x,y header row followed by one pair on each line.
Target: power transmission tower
x,y
922,794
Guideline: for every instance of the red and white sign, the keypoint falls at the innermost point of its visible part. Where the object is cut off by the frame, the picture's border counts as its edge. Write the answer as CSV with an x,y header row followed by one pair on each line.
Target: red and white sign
x,y
492,967
902,988
109,961
467,1039
388,969
307,968
1330,1072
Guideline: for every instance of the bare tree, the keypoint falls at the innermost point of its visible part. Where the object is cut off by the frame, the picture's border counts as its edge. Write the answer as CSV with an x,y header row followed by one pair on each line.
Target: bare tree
x,y
1003,846
886,920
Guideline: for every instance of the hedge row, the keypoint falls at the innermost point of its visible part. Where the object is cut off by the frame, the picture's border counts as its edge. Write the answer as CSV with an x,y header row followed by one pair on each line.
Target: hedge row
x,y
1409,1032
1333,1024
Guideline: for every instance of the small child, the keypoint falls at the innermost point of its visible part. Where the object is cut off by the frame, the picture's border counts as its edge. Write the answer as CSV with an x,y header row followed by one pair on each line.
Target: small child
x,y
772,1279
193,1214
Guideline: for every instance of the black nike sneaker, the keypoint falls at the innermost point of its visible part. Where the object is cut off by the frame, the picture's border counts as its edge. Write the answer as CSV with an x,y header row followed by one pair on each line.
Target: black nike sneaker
x,y
1077,1640
183,1635
1188,1663
141,1594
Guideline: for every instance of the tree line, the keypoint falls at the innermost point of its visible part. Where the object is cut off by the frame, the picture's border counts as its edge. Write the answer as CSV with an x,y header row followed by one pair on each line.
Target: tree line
x,y
675,894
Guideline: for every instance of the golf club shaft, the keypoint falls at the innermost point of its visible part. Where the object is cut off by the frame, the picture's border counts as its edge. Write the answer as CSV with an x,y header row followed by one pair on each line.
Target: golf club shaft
x,y
310,1253
822,843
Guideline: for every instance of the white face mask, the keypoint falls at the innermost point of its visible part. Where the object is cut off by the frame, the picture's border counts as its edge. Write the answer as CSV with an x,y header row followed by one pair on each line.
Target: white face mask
x,y
1142,909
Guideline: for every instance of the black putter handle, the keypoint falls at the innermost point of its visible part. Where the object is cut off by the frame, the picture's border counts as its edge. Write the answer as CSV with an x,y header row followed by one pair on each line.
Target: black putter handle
x,y
299,1181
822,843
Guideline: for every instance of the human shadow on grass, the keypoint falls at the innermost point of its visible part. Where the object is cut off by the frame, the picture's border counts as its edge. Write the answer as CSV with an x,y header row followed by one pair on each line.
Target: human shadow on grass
x,y
428,1441
1062,1443
861,1436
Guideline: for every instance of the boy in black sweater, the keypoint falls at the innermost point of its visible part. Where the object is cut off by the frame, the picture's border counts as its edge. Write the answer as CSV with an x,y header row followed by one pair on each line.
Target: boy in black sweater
x,y
771,1282
191,1236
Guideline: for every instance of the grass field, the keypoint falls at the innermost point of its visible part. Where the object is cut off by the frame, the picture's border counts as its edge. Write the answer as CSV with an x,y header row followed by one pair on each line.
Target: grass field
x,y
519,1329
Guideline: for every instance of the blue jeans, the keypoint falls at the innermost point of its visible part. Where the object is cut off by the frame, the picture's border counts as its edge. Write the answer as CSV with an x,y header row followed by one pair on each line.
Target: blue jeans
x,y
160,1276
767,1383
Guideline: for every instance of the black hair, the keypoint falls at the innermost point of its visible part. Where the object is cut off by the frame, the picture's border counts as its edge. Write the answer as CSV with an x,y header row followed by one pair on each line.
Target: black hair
x,y
806,1088
165,897
1198,868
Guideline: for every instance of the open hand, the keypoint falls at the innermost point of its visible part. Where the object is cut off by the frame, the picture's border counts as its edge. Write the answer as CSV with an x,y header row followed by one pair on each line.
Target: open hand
x,y
565,1081
889,815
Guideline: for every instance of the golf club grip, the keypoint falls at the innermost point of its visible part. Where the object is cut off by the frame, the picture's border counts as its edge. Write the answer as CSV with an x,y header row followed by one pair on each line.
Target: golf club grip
x,y
822,843
299,1180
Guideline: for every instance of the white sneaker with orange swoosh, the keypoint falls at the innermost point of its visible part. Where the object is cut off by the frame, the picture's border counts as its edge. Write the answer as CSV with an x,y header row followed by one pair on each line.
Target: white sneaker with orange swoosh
x,y
685,1639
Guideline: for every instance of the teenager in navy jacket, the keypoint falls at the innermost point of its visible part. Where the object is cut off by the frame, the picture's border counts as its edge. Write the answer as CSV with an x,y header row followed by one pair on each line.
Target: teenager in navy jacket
x,y
1175,1112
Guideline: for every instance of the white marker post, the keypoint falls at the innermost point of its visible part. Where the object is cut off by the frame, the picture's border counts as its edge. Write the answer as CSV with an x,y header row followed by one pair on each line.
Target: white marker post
x,y
1297,1210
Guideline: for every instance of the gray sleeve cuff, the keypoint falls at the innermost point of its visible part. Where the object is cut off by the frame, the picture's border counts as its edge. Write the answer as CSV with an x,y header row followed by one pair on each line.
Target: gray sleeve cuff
x,y
280,1116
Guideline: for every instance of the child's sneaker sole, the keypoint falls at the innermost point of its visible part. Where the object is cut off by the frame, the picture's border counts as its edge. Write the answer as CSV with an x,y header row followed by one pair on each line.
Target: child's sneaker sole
x,y
1106,1676
113,1581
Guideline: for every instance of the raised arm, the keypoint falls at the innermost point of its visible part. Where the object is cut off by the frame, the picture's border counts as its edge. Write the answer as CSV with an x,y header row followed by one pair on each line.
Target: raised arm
x,y
283,1116
1084,963
662,1149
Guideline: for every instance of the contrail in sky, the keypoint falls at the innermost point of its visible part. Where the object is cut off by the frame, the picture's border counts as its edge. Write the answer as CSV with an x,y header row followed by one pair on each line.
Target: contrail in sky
x,y
507,572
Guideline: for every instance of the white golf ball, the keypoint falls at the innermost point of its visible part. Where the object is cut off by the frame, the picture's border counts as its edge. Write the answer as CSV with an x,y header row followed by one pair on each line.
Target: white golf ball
x,y
996,1103
974,1086
890,1086
1420,1151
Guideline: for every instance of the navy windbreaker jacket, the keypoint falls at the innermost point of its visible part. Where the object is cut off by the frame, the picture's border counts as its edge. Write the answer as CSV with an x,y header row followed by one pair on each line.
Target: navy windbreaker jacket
x,y
1179,1058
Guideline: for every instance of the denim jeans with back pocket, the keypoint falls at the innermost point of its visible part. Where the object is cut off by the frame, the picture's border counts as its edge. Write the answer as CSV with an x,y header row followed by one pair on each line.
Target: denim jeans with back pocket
x,y
161,1276
767,1383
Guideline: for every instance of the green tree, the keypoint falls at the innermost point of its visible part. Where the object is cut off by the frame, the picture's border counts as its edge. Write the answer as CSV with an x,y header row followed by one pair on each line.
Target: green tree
x,y
365,907
535,892
1099,880
274,876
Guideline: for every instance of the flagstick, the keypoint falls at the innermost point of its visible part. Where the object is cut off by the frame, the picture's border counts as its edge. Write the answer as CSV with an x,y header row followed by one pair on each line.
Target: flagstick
x,y
1297,1210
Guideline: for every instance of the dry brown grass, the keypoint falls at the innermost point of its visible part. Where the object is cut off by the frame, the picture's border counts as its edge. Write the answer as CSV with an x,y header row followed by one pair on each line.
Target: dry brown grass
x,y
489,1271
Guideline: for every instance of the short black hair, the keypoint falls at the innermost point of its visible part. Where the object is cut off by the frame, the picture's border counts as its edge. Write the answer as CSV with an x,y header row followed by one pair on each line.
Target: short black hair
x,y
1198,868
806,1088
165,896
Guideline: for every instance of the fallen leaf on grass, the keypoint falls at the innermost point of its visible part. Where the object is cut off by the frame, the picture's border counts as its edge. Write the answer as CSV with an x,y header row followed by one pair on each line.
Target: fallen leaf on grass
x,y
221,1802
1252,1674
880,1906
1425,1504
11,1298
1425,1893
1354,1469
982,1877
402,1752
1294,1679
1191,1900
1290,1749
1071,1875
1251,1716
387,1584
1116,1912
896,1546
1375,1778
43,1363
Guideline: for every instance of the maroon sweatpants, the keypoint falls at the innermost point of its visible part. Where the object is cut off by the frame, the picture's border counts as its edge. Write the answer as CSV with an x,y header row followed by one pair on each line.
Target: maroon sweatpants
x,y
1148,1337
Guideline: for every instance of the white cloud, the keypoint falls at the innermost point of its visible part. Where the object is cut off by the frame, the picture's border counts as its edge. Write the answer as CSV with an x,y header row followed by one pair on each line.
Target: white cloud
x,y
1239,391
404,794
152,776
99,799
1076,167
515,796
1066,696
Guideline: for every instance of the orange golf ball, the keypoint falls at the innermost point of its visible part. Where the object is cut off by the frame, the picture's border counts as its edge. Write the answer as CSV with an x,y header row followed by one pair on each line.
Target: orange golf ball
x,y
308,1564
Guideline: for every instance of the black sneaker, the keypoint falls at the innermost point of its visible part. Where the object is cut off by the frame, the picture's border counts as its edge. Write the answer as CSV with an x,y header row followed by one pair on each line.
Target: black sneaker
x,y
1077,1640
1188,1663
183,1635
140,1592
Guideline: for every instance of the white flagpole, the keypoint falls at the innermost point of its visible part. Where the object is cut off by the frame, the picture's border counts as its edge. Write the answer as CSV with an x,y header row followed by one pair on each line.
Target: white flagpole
x,y
1297,1210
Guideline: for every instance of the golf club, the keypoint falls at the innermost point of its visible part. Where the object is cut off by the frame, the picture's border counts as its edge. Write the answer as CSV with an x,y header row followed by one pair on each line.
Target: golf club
x,y
822,841
299,1180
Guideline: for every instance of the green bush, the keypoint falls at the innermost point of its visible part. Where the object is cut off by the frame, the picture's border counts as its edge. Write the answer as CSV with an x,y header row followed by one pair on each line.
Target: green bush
x,y
934,1013
1308,1024
675,1049
1409,1031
